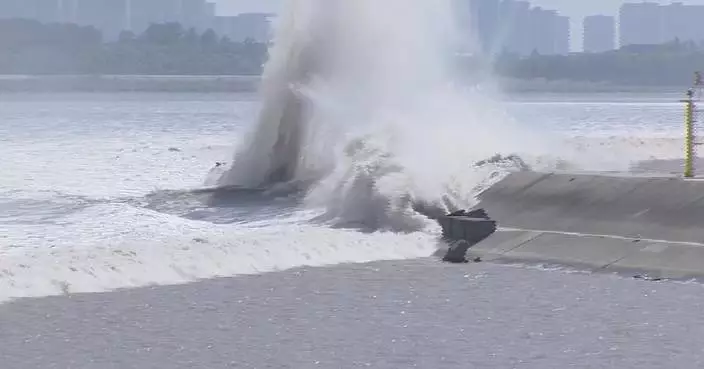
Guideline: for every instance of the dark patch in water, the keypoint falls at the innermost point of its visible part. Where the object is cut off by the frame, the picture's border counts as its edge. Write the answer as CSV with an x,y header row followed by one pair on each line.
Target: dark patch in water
x,y
224,205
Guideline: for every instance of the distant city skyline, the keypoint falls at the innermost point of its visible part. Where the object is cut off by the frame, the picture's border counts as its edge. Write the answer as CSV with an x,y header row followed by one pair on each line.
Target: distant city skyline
x,y
513,26
571,8
231,7
575,9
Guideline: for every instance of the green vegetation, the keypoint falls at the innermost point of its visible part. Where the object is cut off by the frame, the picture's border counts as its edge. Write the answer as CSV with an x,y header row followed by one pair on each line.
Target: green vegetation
x,y
30,47
670,64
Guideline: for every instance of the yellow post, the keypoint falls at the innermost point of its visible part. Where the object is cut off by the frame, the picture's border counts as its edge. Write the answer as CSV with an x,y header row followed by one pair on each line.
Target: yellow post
x,y
689,135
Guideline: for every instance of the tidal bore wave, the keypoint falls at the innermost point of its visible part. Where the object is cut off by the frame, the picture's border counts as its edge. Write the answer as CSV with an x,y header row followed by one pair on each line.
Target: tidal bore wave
x,y
363,117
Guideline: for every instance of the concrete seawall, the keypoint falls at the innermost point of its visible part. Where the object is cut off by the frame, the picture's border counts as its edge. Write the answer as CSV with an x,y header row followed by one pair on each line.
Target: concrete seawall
x,y
653,225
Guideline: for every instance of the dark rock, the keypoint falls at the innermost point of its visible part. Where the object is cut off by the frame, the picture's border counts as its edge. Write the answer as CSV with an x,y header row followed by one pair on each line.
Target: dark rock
x,y
462,230
458,213
457,253
476,213
472,230
647,278
498,159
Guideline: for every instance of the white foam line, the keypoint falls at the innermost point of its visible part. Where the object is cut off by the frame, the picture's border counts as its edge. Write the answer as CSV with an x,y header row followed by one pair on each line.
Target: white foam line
x,y
595,235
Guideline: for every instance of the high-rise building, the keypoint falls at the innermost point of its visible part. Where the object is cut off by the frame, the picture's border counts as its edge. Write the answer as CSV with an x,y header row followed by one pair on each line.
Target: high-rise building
x,y
485,20
640,24
515,33
562,35
194,14
210,11
68,11
47,11
523,29
651,23
145,12
109,16
113,16
7,9
252,26
599,33
543,25
465,20
683,22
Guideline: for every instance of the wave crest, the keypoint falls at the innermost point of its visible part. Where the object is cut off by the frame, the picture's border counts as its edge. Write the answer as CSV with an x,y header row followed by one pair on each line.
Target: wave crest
x,y
364,116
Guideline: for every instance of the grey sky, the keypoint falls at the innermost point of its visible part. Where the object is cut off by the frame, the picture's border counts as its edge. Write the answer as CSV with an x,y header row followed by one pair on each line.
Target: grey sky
x,y
576,9
573,8
239,6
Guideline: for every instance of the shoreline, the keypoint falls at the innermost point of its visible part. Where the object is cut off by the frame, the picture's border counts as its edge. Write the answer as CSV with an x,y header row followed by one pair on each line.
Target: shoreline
x,y
250,83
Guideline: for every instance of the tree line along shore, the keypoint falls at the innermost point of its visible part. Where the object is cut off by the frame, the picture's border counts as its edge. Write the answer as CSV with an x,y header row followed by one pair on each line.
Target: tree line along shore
x,y
33,48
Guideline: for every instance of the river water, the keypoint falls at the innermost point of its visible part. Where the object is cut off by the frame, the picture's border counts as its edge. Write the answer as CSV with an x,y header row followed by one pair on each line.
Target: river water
x,y
95,195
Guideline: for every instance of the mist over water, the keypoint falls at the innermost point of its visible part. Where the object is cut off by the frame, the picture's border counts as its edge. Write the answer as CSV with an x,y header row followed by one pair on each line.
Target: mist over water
x,y
361,117
361,109
134,213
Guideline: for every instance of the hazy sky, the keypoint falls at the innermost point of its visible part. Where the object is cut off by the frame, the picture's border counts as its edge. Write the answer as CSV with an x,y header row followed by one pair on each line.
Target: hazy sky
x,y
238,6
576,9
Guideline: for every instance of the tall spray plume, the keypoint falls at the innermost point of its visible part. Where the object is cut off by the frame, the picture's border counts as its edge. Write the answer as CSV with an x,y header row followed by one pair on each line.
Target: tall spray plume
x,y
360,109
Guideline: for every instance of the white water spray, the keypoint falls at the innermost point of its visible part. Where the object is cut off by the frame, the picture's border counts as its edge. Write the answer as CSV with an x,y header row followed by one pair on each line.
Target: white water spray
x,y
359,105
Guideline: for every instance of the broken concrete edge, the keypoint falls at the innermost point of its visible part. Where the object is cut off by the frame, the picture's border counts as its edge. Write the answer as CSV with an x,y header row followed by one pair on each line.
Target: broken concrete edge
x,y
463,230
655,259
606,222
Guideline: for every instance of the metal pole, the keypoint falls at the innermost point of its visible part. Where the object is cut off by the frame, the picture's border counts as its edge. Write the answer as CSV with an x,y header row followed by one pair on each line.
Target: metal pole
x,y
689,135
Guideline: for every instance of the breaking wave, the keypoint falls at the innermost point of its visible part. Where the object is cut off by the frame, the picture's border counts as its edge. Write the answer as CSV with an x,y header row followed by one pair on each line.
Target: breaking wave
x,y
361,111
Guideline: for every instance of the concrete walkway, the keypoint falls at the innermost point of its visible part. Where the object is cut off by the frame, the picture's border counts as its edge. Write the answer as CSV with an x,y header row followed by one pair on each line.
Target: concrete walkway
x,y
648,224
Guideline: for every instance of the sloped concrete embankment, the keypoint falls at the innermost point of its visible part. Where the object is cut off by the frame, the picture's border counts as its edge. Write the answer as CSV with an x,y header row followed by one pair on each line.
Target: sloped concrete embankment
x,y
603,222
